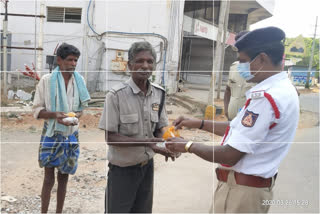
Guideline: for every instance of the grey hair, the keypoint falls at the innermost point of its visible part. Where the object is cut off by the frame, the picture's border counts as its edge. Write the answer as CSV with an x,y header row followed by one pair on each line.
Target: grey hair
x,y
137,47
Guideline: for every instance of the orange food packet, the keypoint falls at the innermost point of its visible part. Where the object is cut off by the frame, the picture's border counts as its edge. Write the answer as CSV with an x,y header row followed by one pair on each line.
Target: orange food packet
x,y
171,132
71,114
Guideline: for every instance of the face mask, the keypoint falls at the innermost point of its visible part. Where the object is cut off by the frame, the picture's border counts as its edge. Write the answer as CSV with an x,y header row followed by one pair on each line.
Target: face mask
x,y
244,71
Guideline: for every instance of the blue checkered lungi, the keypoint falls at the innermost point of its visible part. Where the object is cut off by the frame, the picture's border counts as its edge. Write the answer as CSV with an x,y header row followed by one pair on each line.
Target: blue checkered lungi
x,y
59,151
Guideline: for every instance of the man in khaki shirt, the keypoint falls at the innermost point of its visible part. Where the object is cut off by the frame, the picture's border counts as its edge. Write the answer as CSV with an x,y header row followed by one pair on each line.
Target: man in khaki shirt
x,y
133,122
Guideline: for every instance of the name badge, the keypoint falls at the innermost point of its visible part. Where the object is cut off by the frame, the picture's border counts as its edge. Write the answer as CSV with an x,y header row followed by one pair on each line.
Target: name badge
x,y
155,107
257,94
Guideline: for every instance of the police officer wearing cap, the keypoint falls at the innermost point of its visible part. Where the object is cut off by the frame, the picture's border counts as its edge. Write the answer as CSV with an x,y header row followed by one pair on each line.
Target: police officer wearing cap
x,y
258,138
235,93
133,120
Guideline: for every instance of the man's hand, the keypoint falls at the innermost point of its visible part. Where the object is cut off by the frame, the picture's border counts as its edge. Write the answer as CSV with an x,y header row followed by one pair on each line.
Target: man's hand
x,y
195,123
162,151
180,122
60,116
176,144
187,122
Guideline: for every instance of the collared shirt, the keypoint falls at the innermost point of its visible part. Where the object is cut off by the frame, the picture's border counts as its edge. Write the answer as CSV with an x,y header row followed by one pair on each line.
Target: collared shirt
x,y
42,99
238,88
129,112
264,147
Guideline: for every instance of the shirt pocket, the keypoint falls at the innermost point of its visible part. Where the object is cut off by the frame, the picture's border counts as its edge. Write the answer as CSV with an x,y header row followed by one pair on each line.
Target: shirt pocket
x,y
154,117
129,124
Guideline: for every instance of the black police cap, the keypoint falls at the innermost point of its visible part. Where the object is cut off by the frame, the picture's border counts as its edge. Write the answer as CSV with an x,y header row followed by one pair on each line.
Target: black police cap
x,y
260,39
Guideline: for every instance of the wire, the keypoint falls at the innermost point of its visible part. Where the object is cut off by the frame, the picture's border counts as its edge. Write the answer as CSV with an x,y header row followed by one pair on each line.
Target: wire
x,y
121,41
88,18
60,40
130,34
123,33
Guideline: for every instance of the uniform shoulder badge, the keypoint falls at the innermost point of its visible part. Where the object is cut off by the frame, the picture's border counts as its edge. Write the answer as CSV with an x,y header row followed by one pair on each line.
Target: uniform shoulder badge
x,y
118,87
249,119
157,86
257,94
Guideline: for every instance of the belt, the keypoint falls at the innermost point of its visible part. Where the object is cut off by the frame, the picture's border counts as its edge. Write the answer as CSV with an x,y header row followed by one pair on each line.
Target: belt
x,y
143,163
245,180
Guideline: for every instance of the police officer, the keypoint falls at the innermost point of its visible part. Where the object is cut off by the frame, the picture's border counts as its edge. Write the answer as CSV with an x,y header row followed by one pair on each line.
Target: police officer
x,y
257,140
133,118
235,94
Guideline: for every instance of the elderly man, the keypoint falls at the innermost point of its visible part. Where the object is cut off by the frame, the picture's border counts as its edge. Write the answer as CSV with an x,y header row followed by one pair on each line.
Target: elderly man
x,y
259,137
58,93
133,119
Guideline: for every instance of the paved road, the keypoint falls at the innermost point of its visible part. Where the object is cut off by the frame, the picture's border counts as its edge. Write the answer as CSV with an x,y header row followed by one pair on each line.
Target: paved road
x,y
310,102
298,177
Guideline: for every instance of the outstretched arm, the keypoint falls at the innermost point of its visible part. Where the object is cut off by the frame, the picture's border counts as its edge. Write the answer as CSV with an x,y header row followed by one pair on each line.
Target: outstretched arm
x,y
217,128
116,139
217,154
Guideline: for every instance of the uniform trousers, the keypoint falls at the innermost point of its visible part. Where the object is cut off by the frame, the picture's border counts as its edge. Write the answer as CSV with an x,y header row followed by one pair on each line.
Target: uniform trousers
x,y
230,197
130,189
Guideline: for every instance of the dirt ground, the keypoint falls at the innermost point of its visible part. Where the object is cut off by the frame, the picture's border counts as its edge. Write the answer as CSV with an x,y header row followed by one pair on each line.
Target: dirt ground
x,y
22,178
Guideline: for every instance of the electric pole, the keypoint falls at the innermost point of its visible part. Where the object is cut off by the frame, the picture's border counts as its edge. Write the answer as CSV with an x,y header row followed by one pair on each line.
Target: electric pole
x,y
5,44
221,40
218,57
40,41
311,56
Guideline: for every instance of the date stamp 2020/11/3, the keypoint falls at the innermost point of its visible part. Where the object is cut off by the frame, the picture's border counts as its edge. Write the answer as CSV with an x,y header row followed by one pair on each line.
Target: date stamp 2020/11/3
x,y
286,202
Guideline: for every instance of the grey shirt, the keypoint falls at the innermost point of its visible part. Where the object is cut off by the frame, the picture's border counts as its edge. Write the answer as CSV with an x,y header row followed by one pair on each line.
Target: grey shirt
x,y
129,112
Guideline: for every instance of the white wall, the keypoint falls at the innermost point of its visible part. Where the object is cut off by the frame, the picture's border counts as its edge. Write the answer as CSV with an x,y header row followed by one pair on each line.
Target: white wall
x,y
162,17
23,29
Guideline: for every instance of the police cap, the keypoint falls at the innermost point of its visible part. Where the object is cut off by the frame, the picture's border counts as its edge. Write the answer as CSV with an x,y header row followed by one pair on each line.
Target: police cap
x,y
261,39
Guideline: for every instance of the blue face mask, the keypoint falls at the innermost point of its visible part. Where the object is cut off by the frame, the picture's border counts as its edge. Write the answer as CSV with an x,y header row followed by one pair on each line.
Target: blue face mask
x,y
244,70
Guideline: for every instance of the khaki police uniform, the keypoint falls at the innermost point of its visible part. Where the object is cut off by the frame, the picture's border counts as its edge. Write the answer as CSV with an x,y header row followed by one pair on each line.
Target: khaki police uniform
x,y
238,87
129,112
